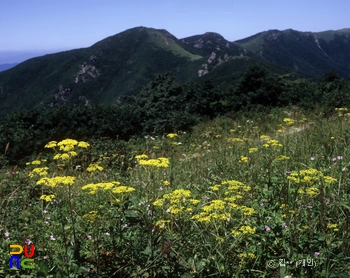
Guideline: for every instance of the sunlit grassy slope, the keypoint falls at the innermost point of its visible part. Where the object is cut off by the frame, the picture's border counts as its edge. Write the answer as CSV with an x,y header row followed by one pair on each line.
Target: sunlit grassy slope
x,y
265,196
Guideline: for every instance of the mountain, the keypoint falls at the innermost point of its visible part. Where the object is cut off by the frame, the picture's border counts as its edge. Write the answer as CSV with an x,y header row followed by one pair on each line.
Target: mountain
x,y
122,64
4,67
308,54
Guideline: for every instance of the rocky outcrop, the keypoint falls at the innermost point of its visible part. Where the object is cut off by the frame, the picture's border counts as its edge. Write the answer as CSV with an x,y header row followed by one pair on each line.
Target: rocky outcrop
x,y
213,61
87,72
62,94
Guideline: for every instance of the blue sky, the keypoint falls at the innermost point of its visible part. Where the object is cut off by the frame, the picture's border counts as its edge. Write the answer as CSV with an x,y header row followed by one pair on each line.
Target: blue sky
x,y
45,26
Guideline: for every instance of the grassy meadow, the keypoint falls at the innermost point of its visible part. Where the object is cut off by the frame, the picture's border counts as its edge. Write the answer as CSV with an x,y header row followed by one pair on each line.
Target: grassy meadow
x,y
252,197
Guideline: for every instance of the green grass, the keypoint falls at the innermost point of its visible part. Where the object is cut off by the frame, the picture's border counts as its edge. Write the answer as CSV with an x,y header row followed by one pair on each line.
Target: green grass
x,y
230,203
168,43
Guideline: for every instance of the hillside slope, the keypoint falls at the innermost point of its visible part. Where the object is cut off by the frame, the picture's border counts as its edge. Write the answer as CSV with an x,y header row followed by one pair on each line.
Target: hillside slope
x,y
118,65
122,64
309,54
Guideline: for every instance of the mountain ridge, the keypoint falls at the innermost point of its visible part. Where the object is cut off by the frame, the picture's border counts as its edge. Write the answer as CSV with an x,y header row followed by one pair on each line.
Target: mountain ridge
x,y
309,54
125,62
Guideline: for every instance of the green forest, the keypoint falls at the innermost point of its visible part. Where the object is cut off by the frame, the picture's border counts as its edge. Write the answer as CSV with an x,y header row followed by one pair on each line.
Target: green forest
x,y
164,106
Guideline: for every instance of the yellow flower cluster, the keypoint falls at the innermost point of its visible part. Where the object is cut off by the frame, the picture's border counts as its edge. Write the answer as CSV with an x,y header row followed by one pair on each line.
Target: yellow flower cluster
x,y
282,157
141,156
39,171
172,135
334,227
221,209
36,162
272,143
309,176
52,182
312,191
252,150
122,189
247,255
160,162
165,183
245,230
65,156
235,140
47,198
233,185
177,201
93,167
289,121
342,112
243,159
67,146
264,137
161,223
94,187
91,216
214,211
329,179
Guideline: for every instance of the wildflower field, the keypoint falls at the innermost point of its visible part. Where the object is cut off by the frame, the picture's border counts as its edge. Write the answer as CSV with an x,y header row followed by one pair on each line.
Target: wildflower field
x,y
261,197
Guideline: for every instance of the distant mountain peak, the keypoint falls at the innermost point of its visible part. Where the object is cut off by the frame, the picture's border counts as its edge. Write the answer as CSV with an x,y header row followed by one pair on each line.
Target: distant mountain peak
x,y
308,53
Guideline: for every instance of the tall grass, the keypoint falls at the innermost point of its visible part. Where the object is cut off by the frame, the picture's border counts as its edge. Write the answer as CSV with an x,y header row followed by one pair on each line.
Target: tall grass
x,y
260,197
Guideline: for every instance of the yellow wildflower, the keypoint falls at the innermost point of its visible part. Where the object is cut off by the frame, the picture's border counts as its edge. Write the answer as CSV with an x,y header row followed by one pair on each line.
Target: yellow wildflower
x,y
273,143
252,150
47,198
235,140
94,167
161,223
158,203
289,121
172,135
83,145
68,180
282,157
51,144
64,156
122,189
264,137
194,201
247,230
39,171
312,191
91,216
166,183
160,162
243,159
141,156
333,226
247,255
328,179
